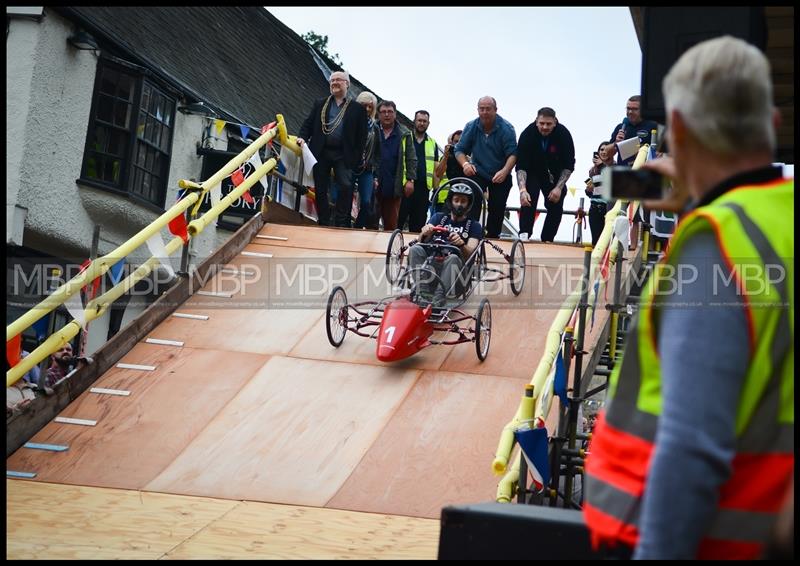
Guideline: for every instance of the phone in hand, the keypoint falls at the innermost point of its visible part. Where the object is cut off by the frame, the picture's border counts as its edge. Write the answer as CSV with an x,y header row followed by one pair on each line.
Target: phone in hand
x,y
632,184
595,155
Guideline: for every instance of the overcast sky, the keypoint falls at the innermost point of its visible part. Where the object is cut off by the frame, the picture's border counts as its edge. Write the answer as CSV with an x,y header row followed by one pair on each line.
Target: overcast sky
x,y
583,62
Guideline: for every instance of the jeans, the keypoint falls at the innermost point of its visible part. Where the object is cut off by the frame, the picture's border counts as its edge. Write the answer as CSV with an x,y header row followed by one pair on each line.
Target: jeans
x,y
366,187
448,270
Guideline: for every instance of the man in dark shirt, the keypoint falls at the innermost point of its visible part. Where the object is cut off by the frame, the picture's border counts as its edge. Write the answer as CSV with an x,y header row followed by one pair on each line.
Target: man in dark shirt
x,y
336,131
632,126
462,232
546,159
397,164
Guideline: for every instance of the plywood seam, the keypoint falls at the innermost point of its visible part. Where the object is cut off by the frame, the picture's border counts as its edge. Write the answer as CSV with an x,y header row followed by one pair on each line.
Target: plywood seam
x,y
210,420
377,436
201,529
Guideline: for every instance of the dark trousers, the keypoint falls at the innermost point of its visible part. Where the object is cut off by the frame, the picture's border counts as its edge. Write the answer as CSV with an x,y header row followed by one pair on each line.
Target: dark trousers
x,y
322,179
414,209
597,219
498,195
553,218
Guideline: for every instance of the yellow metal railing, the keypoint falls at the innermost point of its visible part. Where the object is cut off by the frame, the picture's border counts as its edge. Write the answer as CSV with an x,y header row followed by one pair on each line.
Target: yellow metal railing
x,y
542,379
98,306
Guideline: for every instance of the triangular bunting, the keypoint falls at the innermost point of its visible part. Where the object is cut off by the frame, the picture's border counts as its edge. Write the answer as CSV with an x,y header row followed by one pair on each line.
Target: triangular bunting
x,y
560,381
116,270
216,193
571,191
156,246
245,130
41,327
178,227
237,177
533,443
14,350
220,125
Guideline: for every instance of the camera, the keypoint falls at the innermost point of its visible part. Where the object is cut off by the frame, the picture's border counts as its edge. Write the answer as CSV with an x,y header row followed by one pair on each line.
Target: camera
x,y
631,184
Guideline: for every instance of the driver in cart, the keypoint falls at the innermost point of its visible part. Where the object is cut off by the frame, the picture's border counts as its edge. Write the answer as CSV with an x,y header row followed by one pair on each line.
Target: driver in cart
x,y
451,231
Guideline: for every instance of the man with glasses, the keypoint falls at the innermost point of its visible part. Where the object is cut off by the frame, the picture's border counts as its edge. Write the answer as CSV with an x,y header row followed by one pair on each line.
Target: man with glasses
x,y
632,126
336,131
397,164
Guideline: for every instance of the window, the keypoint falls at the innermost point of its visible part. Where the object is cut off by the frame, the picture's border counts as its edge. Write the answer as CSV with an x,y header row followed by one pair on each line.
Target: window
x,y
129,141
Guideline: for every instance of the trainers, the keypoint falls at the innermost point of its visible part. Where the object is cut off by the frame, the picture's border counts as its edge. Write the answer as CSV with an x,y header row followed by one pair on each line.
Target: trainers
x,y
523,235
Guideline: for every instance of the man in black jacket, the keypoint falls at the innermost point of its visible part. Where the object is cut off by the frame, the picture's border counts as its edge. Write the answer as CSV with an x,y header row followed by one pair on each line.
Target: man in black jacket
x,y
545,160
336,131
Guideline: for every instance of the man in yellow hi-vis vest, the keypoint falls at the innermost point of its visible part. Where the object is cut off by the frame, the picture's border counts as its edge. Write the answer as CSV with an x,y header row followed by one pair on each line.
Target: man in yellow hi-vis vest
x,y
694,453
414,208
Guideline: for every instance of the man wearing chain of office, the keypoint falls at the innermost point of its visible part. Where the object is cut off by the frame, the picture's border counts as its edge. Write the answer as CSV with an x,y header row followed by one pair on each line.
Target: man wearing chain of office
x,y
336,132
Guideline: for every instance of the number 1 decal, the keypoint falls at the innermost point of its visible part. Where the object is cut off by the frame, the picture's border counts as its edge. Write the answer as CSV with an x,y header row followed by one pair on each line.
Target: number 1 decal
x,y
390,332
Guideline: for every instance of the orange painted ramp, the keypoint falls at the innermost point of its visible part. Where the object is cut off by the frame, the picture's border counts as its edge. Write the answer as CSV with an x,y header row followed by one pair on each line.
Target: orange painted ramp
x,y
438,448
136,437
293,434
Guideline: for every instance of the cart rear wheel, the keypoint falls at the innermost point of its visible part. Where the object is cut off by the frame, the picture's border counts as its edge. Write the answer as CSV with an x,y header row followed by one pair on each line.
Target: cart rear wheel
x,y
336,316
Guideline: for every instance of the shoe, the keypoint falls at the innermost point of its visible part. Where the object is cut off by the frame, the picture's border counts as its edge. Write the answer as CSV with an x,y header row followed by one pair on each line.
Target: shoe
x,y
523,236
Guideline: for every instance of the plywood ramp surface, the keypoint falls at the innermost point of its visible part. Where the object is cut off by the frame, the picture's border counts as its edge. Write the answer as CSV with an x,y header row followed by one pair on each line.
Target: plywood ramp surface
x,y
258,406
292,435
136,437
437,450
52,521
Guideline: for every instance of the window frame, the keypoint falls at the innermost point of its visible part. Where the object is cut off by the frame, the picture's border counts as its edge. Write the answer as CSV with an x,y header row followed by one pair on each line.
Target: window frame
x,y
128,165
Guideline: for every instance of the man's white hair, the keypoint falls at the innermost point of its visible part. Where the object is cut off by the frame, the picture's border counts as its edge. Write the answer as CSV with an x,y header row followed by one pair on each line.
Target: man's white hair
x,y
345,74
723,90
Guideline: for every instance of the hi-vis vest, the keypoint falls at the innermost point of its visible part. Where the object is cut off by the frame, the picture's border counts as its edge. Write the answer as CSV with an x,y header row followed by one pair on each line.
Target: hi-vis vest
x,y
431,157
754,229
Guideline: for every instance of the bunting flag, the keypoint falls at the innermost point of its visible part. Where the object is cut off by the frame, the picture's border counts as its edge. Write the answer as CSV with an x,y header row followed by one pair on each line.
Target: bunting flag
x,y
621,230
95,284
604,264
219,125
41,327
533,443
216,193
267,127
282,170
245,130
156,246
14,350
237,178
178,226
115,271
255,161
560,381
571,190
74,306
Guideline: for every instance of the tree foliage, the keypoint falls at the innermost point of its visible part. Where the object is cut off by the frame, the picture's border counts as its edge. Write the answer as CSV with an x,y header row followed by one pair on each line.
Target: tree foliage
x,y
320,43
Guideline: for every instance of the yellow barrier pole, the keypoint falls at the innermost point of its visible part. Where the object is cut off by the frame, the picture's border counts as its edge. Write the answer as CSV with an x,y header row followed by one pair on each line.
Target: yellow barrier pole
x,y
196,226
94,310
524,414
285,139
505,488
96,269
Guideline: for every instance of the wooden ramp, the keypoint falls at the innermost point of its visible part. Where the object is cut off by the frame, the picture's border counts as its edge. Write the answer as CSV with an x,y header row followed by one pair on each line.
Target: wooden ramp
x,y
256,406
